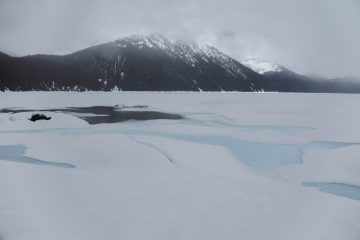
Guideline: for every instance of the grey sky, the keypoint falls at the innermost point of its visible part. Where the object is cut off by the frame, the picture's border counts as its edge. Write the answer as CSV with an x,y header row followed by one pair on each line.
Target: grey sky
x,y
310,36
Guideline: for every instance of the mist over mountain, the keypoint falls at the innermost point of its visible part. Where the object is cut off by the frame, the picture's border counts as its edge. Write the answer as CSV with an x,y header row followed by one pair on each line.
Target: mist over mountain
x,y
153,63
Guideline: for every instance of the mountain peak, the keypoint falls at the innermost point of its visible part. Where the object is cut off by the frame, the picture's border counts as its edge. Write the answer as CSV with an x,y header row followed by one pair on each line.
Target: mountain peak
x,y
159,41
261,66
140,41
189,52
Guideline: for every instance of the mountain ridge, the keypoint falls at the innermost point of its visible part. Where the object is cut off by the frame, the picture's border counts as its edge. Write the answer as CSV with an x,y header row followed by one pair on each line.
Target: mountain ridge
x,y
142,63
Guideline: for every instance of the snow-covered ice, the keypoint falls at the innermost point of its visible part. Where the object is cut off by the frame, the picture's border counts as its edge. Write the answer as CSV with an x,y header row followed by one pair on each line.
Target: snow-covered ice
x,y
238,166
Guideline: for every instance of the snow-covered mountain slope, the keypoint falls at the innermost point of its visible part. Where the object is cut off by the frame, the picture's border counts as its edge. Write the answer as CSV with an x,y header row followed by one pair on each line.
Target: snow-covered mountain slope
x,y
155,63
261,66
134,63
189,52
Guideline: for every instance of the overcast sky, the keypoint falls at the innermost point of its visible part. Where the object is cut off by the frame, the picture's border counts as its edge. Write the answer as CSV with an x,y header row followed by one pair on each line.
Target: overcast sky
x,y
309,36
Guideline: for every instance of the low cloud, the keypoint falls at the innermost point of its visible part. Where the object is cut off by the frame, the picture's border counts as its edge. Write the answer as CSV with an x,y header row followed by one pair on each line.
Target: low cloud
x,y
310,36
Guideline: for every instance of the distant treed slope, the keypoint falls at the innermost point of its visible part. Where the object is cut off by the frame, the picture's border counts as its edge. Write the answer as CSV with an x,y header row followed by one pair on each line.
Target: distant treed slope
x,y
41,72
288,81
285,80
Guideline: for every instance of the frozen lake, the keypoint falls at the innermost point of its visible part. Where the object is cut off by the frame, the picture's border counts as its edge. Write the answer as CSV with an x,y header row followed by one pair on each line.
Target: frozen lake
x,y
179,166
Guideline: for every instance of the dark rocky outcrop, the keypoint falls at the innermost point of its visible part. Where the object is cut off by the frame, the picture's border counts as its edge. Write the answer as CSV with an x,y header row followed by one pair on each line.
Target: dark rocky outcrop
x,y
36,117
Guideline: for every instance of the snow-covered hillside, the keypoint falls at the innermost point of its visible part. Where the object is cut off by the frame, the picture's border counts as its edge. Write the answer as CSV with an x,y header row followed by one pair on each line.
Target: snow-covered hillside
x,y
192,53
238,166
261,66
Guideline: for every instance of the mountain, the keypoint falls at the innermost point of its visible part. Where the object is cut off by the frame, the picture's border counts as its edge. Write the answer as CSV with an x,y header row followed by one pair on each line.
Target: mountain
x,y
282,79
148,63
